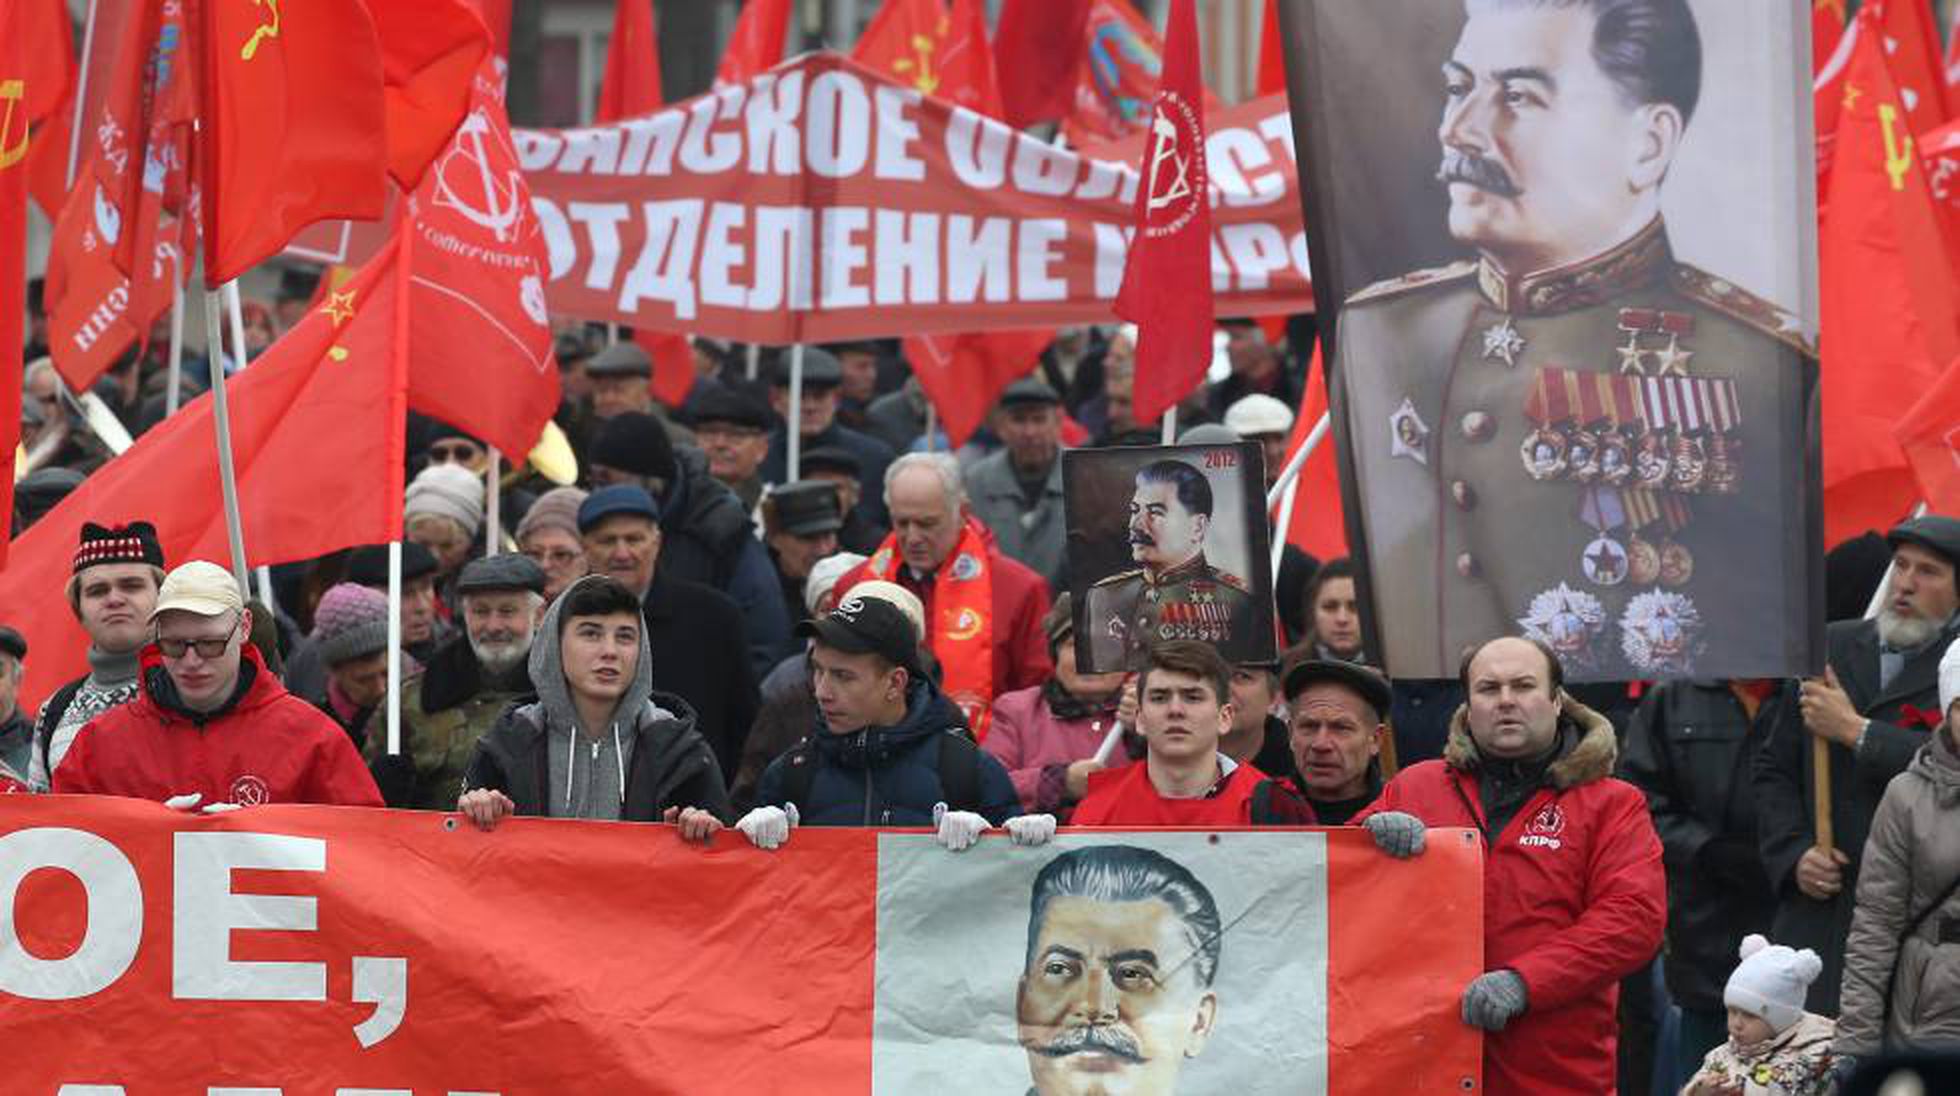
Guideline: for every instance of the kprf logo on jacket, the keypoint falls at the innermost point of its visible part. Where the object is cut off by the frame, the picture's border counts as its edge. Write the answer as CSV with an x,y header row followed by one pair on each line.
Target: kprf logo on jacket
x,y
1542,832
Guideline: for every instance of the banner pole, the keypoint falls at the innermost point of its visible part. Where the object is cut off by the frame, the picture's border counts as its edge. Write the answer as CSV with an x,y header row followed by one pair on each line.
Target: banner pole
x,y
173,398
612,334
793,420
493,536
1170,427
932,426
221,417
237,307
394,648
1288,497
81,95
1820,792
264,576
1298,460
754,359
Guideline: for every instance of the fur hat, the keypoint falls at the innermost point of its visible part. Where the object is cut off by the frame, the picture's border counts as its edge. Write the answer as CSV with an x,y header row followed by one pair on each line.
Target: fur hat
x,y
351,622
1950,676
1771,981
450,490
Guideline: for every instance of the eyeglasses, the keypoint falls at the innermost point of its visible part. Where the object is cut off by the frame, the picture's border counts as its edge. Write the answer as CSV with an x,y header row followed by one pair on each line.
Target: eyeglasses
x,y
461,453
174,647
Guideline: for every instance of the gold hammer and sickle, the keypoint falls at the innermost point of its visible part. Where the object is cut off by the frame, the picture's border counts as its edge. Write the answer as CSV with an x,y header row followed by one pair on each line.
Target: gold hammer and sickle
x,y
1898,153
264,31
15,93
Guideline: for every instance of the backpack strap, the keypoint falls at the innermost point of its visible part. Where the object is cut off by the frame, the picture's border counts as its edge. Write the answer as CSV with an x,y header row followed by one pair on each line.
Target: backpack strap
x,y
51,713
1262,804
959,772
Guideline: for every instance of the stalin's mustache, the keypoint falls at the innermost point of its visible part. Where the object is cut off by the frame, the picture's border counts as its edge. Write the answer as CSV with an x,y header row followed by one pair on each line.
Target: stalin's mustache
x,y
1092,1039
1139,537
1468,167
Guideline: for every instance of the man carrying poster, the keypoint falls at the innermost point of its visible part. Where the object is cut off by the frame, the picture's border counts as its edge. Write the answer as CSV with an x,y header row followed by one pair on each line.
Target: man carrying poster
x,y
1572,434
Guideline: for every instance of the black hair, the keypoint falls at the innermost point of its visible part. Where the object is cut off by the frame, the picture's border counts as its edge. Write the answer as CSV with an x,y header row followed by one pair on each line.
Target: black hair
x,y
1650,49
1328,572
595,596
1193,489
1124,873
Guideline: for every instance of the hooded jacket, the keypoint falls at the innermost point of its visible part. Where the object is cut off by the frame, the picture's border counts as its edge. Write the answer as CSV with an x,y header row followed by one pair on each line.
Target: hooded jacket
x,y
708,537
1574,894
888,776
1912,863
648,759
264,745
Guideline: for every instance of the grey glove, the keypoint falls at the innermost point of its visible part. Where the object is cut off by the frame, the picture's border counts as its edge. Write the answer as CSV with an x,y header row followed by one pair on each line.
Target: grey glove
x,y
1397,833
1493,999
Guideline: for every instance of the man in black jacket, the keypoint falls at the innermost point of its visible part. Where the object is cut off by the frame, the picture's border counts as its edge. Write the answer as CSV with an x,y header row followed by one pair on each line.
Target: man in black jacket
x,y
599,742
1874,707
1688,748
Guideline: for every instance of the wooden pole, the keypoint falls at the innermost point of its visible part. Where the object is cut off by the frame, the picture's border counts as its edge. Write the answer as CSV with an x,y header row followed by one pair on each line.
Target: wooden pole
x,y
1820,791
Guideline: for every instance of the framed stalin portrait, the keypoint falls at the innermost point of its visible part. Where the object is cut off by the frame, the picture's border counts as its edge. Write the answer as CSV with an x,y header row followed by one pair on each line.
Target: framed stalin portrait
x,y
1168,542
1570,251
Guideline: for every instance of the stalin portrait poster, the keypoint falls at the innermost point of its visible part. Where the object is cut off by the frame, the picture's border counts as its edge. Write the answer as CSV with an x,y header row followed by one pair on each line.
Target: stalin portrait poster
x,y
1573,246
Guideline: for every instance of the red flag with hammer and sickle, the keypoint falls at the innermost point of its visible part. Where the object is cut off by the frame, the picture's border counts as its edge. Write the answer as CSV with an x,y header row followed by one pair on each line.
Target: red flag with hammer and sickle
x,y
16,90
1167,280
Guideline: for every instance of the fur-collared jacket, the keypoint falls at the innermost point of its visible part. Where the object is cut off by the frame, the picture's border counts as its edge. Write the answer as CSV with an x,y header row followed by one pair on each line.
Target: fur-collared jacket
x,y
1574,893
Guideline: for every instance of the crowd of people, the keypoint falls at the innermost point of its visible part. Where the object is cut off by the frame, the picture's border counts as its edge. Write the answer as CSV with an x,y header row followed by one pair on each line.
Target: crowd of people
x,y
693,635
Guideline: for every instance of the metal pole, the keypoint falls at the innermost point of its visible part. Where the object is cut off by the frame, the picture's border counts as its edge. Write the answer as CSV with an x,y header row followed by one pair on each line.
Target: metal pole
x,y
237,306
81,96
394,648
1284,522
221,416
493,537
1299,460
264,575
172,398
793,431
1170,427
932,426
754,356
612,334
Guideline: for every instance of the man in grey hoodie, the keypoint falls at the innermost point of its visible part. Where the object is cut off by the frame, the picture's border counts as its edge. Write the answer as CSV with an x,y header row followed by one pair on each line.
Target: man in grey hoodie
x,y
597,742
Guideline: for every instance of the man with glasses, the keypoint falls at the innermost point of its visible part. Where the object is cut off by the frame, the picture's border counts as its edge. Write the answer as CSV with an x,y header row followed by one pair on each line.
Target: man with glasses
x,y
733,430
210,724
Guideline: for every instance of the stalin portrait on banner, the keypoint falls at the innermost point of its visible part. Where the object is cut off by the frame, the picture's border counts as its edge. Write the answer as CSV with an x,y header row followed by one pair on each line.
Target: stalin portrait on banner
x,y
1570,434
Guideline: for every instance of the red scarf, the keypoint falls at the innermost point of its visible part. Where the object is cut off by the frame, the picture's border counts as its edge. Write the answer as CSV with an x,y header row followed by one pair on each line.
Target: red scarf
x,y
959,618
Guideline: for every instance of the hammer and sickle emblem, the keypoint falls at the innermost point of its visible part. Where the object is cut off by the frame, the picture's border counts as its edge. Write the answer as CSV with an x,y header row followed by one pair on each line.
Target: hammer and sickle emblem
x,y
1164,134
14,92
1898,153
264,30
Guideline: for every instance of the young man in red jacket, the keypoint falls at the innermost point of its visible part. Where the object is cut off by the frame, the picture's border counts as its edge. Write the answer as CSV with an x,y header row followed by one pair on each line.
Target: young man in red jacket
x,y
210,724
1574,895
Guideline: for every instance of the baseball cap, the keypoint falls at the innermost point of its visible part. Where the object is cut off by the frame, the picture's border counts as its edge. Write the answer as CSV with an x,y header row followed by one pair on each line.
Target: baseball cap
x,y
1371,686
199,587
867,625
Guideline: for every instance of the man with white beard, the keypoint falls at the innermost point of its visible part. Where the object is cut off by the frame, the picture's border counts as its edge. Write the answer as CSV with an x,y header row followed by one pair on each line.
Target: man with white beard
x,y
1875,706
466,686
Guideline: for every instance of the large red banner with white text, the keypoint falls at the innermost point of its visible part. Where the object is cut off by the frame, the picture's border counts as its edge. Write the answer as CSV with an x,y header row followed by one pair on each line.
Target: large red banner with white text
x,y
822,201
333,950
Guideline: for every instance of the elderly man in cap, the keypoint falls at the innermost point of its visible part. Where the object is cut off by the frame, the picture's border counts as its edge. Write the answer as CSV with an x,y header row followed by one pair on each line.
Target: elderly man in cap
x,y
1017,491
1336,733
211,725
816,418
800,523
112,591
1263,419
621,379
705,534
696,634
732,428
1875,706
16,730
830,464
467,684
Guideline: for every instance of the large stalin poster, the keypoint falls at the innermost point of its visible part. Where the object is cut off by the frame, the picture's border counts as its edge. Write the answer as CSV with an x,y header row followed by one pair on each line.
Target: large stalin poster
x,y
1573,250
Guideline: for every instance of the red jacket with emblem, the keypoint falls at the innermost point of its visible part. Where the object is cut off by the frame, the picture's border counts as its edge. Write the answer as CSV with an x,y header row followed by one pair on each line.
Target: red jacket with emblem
x,y
1574,900
268,746
1245,797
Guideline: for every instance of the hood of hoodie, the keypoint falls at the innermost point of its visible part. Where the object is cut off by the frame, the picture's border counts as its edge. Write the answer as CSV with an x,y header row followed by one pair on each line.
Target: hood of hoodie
x,y
546,666
927,713
1590,756
1939,766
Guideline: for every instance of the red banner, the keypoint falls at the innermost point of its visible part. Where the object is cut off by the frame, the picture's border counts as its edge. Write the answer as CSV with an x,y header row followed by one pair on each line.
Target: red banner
x,y
821,201
323,950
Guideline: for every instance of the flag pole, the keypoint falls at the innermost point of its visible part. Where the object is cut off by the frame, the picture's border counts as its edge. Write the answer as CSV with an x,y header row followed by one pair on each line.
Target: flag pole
x,y
493,537
754,359
1288,496
237,306
221,417
264,576
173,397
1170,427
932,426
793,428
1299,460
394,648
81,96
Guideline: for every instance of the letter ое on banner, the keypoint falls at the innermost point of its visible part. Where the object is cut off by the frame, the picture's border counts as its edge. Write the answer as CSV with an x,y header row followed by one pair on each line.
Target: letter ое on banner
x,y
334,950
821,201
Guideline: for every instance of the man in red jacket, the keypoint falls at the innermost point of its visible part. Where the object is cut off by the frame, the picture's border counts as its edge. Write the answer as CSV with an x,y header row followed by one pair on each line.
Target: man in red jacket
x,y
210,723
1574,895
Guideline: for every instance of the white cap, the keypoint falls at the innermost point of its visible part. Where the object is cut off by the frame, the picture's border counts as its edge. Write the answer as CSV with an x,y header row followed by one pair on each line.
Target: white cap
x,y
1950,676
905,601
1251,416
1771,981
199,587
823,578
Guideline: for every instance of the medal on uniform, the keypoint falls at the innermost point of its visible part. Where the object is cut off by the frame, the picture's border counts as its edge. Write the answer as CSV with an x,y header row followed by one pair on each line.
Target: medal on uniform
x,y
1543,450
1635,322
1604,560
1724,474
1502,342
1408,435
1687,464
1671,359
1569,622
1615,457
1582,456
1643,561
1661,633
1650,460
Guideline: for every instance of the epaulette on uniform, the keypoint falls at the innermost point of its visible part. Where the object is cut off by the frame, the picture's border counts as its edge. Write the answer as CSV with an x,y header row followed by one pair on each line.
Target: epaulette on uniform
x,y
1227,578
1738,303
1415,279
1119,576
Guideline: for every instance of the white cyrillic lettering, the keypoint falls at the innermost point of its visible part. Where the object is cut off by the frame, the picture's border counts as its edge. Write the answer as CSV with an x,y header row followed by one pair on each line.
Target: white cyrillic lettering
x,y
1257,250
206,911
590,151
663,139
775,142
783,257
1112,251
664,270
705,150
843,256
897,130
979,259
838,125
536,149
1035,255
601,221
560,251
905,269
1099,181
977,149
1041,168
114,929
722,252
1241,166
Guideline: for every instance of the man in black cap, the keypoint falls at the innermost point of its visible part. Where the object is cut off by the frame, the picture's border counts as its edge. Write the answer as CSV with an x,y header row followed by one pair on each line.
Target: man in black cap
x,y
857,363
817,419
1335,735
1875,706
16,733
800,521
466,685
732,429
117,572
1017,491
841,469
621,380
706,535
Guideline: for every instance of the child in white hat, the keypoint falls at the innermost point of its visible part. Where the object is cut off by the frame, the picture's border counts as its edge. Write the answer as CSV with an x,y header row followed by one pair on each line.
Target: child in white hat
x,y
1775,1048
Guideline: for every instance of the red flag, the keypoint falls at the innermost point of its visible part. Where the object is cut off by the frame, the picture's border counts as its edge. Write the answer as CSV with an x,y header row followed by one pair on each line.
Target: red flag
x,y
1272,54
757,44
1889,297
631,84
964,374
1317,528
1827,83
294,125
17,94
1950,68
673,365
1939,158
478,267
316,427
430,51
1037,49
972,79
1930,436
48,157
1912,53
1167,277
496,16
1826,29
935,51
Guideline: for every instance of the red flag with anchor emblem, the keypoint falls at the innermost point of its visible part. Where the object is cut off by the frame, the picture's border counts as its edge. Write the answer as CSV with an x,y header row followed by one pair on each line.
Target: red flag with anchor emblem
x,y
1167,279
1930,435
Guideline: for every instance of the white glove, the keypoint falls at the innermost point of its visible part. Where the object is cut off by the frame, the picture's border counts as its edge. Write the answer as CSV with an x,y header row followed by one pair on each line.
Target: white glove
x,y
188,803
220,808
1030,829
958,830
768,827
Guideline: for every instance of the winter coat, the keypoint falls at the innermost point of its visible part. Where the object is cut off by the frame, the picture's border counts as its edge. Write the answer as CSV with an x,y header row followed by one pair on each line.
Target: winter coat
x,y
1688,748
888,776
1035,535
701,656
265,745
1036,747
444,711
1911,862
706,536
1020,600
666,764
1574,899
1796,1062
1901,715
872,456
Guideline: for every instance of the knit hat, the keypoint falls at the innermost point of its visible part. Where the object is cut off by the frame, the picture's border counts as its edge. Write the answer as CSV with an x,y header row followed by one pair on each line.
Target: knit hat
x,y
132,543
555,509
823,578
1950,676
1771,981
450,490
351,622
635,442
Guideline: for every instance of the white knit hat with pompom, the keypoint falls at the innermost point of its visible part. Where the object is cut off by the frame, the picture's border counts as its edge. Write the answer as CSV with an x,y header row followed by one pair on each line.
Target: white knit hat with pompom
x,y
1771,981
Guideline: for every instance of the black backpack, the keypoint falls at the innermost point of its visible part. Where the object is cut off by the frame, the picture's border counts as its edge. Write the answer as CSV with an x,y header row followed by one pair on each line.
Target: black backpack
x,y
959,772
